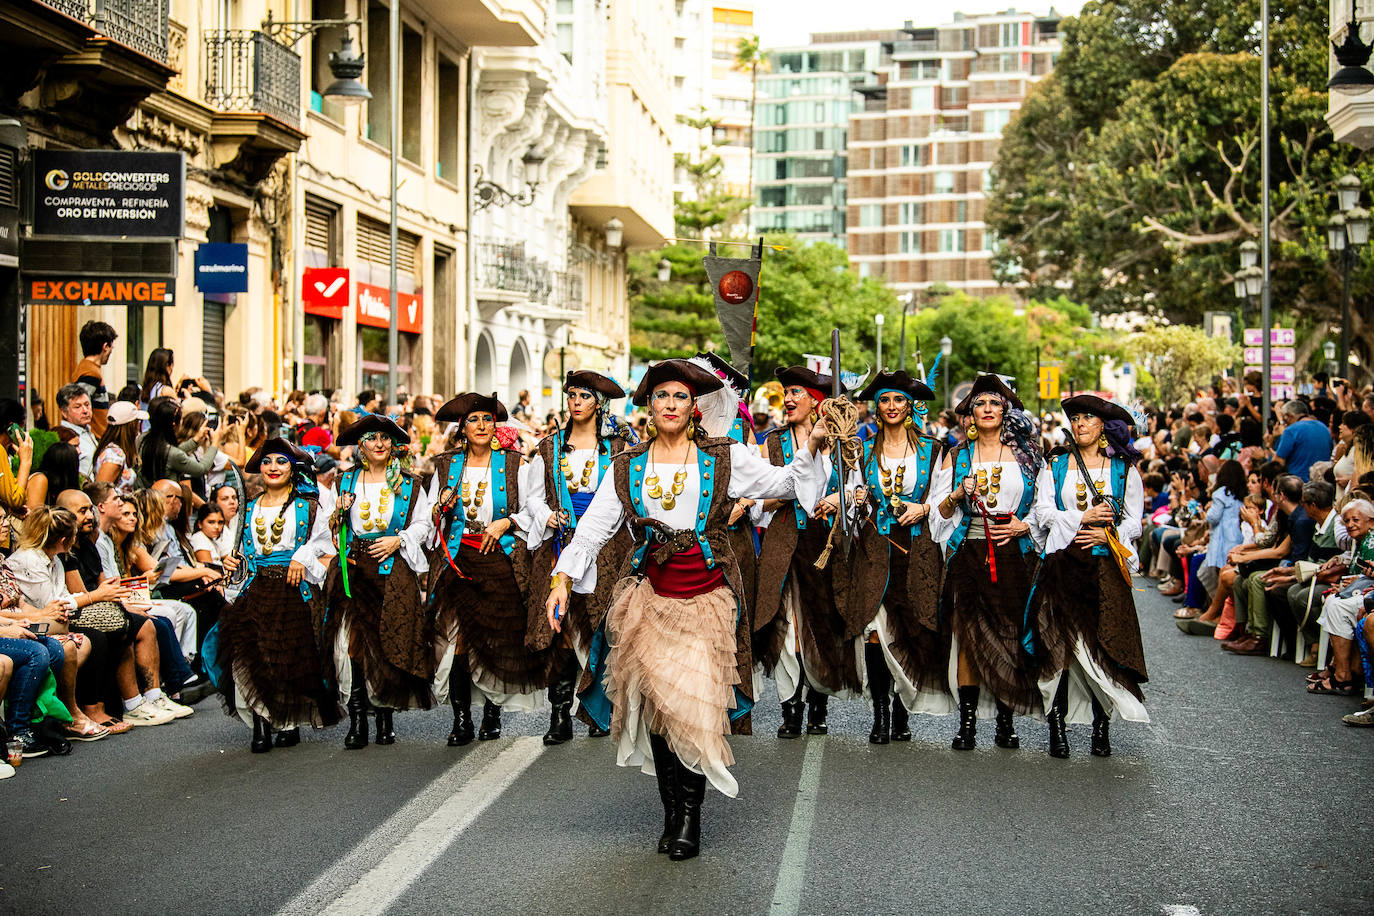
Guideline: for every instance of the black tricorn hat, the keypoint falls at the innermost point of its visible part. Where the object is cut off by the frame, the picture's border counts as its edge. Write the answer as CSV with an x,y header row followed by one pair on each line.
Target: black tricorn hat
x,y
676,370
800,375
1098,407
914,388
594,381
723,367
457,410
989,382
279,446
373,423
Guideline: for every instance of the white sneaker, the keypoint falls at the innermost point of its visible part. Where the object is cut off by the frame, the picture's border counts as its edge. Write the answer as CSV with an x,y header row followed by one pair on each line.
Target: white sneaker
x,y
175,709
6,771
147,713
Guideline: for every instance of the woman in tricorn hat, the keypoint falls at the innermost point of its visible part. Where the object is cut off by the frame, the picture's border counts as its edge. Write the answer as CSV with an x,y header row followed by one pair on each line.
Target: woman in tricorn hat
x,y
677,665
1089,503
984,495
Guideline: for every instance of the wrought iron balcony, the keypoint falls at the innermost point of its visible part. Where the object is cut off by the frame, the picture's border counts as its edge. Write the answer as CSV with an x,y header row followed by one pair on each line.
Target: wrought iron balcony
x,y
248,71
77,9
505,266
138,24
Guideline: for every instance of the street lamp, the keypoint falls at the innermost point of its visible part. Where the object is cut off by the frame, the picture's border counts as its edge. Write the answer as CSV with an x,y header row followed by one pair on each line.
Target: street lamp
x,y
1352,54
907,302
946,348
1249,253
1346,233
665,270
878,319
615,233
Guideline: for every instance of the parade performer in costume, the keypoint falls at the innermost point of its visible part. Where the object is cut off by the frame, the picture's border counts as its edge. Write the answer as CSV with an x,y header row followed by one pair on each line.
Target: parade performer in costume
x,y
1089,503
985,493
804,642
677,665
560,481
896,570
725,414
378,624
263,653
481,592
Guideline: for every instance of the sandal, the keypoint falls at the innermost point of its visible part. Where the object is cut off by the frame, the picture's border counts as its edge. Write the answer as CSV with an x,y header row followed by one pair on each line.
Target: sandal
x,y
1187,613
1333,687
1316,677
115,726
92,732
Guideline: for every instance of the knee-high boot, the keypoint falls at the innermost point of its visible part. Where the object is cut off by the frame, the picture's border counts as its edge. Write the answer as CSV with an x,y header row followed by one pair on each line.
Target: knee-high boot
x,y
792,713
1005,736
1055,718
262,735
357,708
560,701
880,691
966,738
491,722
1102,742
665,768
460,698
817,711
691,791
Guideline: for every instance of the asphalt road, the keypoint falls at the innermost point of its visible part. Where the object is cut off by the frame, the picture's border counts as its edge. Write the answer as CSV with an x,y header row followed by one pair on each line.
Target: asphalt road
x,y
1243,796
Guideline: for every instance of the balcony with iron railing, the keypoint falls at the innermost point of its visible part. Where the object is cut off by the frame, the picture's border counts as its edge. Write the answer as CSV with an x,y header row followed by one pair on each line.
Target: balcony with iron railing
x,y
140,25
506,275
247,71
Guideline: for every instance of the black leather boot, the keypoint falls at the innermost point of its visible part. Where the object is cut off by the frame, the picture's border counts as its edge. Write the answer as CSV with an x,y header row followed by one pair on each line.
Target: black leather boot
x,y
966,738
287,737
691,789
560,715
1102,740
880,690
460,698
262,735
1005,736
665,768
596,731
1059,710
357,709
386,734
792,711
491,722
817,709
901,725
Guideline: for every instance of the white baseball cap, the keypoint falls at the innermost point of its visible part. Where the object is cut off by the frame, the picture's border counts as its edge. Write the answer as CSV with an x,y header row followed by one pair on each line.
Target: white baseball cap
x,y
122,412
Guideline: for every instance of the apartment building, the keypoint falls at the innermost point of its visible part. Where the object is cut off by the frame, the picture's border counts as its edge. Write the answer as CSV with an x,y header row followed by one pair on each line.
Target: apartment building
x,y
706,37
922,147
801,134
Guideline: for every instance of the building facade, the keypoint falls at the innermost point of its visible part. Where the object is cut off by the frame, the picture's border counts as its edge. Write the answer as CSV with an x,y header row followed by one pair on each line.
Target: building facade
x,y
922,148
801,133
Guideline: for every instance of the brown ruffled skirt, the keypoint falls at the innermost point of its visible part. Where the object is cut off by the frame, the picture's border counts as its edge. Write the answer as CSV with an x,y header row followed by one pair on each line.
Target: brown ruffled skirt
x,y
828,656
912,604
1082,596
267,648
987,620
671,670
486,611
389,628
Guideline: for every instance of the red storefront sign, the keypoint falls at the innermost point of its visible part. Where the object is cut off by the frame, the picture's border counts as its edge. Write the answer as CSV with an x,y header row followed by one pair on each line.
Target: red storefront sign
x,y
374,308
324,291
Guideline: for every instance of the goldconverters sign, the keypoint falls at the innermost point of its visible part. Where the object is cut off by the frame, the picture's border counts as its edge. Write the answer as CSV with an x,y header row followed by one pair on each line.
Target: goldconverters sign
x,y
104,291
109,193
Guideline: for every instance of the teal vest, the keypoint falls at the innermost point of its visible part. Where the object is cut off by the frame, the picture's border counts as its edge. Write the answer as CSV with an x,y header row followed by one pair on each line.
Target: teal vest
x,y
400,512
281,557
706,471
925,470
963,464
500,499
603,463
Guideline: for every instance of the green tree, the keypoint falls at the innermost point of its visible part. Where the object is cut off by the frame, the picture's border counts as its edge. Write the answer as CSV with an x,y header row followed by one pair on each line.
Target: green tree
x,y
1132,173
749,58
1180,359
709,205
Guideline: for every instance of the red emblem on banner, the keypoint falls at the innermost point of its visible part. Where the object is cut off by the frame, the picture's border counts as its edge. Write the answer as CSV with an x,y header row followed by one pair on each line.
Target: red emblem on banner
x,y
324,291
736,287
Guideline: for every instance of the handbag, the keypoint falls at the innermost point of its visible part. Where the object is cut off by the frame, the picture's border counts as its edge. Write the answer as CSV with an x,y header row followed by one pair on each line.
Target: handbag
x,y
101,616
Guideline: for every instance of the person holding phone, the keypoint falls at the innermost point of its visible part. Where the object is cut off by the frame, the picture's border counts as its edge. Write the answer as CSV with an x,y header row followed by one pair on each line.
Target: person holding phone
x,y
15,442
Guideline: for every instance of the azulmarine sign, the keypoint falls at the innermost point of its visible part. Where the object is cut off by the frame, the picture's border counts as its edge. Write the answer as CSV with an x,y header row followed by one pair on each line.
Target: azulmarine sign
x,y
124,291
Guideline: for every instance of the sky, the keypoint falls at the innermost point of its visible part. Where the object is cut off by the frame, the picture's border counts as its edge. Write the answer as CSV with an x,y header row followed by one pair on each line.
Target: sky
x,y
781,23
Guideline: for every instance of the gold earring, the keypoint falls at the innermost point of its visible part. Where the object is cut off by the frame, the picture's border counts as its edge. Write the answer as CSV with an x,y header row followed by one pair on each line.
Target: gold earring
x,y
651,429
1102,442
692,428
972,430
910,422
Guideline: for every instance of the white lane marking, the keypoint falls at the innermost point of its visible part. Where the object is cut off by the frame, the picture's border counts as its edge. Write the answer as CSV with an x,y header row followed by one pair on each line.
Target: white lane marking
x,y
363,884
1180,909
787,892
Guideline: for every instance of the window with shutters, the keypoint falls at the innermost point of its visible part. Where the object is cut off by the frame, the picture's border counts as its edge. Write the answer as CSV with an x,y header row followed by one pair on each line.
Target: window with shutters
x,y
374,262
321,233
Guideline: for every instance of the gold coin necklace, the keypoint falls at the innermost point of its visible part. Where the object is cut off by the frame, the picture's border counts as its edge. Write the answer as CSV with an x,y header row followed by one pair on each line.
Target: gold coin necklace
x,y
1100,485
383,508
473,503
990,485
269,542
893,480
654,488
574,484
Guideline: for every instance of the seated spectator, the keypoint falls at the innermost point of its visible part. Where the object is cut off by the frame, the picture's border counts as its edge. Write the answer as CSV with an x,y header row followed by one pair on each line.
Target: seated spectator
x,y
57,471
1224,535
1342,609
227,499
25,661
205,541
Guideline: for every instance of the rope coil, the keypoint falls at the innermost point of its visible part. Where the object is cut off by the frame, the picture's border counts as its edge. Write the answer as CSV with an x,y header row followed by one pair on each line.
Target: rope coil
x,y
841,417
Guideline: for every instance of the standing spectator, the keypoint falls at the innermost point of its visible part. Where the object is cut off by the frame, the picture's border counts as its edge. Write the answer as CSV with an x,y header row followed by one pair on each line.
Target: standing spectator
x,y
314,433
97,344
159,452
14,483
1304,442
116,454
75,406
157,377
368,402
522,407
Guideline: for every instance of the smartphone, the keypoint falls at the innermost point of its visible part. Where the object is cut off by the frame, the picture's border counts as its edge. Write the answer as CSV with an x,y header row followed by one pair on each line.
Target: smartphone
x,y
16,433
213,422
39,629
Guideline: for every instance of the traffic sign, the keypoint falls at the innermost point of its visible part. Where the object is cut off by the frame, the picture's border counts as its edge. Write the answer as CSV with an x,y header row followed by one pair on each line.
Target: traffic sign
x,y
1049,383
1278,375
1278,356
1278,337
